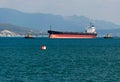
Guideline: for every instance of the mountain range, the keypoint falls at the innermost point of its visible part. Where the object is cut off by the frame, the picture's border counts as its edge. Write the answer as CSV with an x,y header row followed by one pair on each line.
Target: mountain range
x,y
13,28
21,22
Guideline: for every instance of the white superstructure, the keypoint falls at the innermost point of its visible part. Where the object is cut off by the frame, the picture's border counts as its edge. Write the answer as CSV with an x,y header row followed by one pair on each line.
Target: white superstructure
x,y
91,29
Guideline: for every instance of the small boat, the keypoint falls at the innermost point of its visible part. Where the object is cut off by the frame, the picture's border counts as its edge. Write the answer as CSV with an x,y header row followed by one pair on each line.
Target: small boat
x,y
28,36
107,36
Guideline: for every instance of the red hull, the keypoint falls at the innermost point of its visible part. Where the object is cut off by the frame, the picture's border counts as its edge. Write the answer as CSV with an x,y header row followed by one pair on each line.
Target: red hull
x,y
70,36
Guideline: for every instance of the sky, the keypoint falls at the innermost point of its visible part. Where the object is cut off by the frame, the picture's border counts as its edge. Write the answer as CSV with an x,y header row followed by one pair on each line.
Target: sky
x,y
107,10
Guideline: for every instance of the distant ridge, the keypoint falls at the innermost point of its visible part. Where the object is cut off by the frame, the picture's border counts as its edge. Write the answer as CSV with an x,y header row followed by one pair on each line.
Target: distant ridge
x,y
42,21
7,33
13,28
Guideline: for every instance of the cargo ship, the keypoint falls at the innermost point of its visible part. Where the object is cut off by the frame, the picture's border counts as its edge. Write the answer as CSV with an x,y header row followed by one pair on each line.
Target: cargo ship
x,y
90,32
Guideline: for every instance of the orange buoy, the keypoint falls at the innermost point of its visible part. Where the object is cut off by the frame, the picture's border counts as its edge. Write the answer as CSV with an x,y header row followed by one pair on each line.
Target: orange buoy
x,y
43,47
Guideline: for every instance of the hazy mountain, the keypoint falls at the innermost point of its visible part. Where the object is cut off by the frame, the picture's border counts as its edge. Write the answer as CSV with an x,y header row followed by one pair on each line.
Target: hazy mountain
x,y
113,32
7,33
14,28
43,22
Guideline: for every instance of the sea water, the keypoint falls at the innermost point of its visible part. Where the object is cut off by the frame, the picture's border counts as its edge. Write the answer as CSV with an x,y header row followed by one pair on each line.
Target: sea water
x,y
64,60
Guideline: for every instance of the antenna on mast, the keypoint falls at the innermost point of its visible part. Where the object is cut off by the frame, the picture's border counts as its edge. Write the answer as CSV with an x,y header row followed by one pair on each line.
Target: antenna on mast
x,y
50,27
91,22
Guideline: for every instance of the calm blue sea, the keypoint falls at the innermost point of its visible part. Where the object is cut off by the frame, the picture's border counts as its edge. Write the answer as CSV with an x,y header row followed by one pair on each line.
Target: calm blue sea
x,y
64,60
